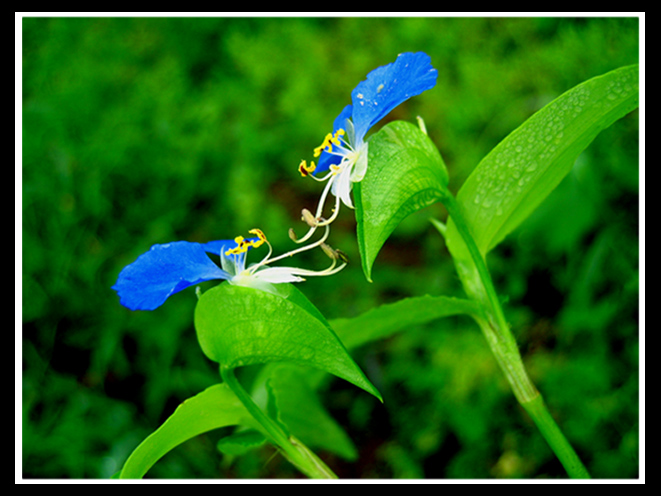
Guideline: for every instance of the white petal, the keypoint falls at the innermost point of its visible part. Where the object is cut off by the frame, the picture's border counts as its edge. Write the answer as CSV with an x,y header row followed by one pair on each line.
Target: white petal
x,y
342,186
277,275
250,281
360,167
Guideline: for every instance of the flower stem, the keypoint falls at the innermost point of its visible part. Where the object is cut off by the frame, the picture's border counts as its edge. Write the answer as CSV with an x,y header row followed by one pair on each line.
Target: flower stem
x,y
295,451
479,286
536,408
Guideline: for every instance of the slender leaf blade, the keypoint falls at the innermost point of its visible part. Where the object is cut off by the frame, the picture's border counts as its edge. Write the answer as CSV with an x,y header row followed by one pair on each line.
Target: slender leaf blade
x,y
388,319
215,407
520,172
405,174
239,326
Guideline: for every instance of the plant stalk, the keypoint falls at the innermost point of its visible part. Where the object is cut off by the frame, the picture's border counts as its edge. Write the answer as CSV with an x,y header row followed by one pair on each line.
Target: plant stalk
x,y
537,409
496,330
295,451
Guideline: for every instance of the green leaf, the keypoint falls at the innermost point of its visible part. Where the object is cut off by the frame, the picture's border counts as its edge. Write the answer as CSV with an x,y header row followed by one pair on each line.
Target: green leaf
x,y
213,408
299,408
239,326
516,176
386,320
239,443
405,174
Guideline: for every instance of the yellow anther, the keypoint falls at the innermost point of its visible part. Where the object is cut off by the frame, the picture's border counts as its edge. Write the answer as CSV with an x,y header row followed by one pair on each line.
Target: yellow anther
x,y
329,141
260,235
240,248
304,169
339,132
324,145
243,244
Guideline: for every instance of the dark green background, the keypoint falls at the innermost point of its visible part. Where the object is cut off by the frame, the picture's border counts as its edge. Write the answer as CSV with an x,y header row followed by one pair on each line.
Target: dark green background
x,y
147,130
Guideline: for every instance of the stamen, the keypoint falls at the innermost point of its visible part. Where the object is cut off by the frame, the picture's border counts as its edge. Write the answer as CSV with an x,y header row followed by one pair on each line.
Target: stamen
x,y
342,256
304,238
329,141
260,235
262,239
328,250
324,194
336,211
334,254
243,244
323,178
305,272
347,154
336,138
241,247
320,208
308,218
326,272
306,170
324,145
298,250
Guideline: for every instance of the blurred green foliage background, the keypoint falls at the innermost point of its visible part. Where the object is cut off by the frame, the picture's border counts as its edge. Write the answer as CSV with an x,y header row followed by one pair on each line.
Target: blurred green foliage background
x,y
147,130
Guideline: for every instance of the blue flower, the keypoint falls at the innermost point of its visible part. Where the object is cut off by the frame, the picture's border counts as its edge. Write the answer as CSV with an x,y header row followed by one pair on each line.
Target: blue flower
x,y
344,151
169,268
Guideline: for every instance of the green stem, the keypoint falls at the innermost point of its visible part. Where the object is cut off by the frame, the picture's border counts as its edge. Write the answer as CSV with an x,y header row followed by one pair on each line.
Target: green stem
x,y
536,408
494,325
295,451
503,345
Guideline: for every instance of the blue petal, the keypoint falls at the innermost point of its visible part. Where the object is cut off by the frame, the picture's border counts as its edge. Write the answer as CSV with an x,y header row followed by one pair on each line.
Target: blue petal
x,y
327,159
388,86
162,271
340,120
